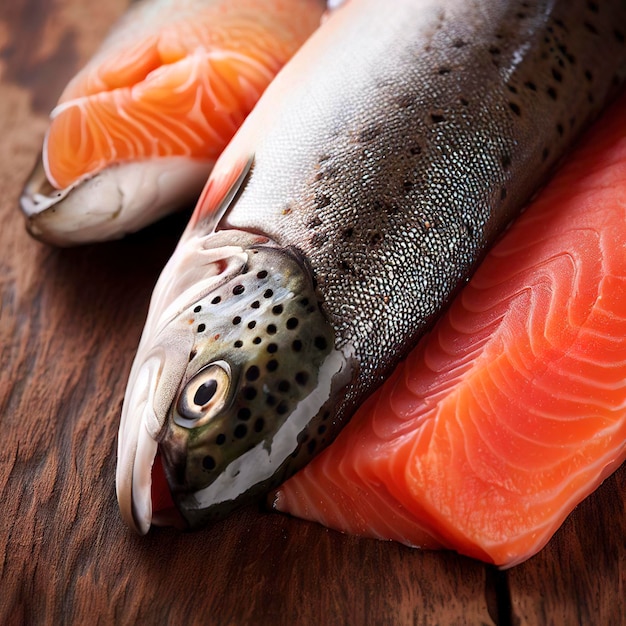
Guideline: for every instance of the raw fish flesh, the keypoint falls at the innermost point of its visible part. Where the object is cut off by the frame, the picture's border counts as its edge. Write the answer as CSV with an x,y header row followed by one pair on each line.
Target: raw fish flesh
x,y
137,131
513,408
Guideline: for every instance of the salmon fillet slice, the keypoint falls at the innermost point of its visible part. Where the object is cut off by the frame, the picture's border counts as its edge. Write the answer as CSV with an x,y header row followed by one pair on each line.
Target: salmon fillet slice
x,y
513,409
177,78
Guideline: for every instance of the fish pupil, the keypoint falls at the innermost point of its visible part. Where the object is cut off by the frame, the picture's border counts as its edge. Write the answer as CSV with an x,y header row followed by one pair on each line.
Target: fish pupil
x,y
205,392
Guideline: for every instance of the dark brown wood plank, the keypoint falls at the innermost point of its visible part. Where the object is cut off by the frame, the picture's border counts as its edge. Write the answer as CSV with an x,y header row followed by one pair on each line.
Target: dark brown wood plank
x,y
69,325
71,320
580,576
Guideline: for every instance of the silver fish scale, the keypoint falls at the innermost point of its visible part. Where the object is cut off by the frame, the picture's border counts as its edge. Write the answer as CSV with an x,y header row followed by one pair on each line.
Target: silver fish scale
x,y
450,121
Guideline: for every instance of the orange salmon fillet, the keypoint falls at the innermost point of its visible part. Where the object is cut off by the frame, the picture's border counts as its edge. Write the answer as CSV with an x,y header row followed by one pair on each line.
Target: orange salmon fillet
x,y
177,78
513,409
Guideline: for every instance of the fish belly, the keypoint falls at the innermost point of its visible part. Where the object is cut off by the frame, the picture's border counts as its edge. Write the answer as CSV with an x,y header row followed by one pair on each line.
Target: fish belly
x,y
513,409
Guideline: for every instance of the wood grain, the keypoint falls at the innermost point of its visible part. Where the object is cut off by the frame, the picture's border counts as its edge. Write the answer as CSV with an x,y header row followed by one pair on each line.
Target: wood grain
x,y
69,325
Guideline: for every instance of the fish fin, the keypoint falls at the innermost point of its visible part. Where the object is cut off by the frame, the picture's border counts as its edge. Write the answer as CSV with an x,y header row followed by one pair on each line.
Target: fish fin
x,y
219,193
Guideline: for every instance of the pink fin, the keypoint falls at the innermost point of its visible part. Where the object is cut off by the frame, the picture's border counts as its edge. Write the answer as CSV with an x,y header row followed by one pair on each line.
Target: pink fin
x,y
219,192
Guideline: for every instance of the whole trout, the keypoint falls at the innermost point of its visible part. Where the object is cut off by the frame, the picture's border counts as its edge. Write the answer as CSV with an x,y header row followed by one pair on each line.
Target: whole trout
x,y
356,199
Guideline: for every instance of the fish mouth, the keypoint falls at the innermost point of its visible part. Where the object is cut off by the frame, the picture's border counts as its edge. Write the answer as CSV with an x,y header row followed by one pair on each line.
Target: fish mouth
x,y
120,199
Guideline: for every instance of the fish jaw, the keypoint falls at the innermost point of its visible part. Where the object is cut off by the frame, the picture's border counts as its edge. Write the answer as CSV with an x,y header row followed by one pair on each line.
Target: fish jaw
x,y
118,200
236,365
194,270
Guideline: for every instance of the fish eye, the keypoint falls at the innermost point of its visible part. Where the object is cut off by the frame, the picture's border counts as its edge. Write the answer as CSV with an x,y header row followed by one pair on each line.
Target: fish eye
x,y
204,396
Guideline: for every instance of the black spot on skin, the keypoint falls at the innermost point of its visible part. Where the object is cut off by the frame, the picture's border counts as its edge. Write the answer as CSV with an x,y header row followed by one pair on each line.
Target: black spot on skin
x,y
589,75
241,431
437,118
512,88
236,320
321,429
503,193
464,101
259,425
292,323
257,340
320,343
375,238
284,386
296,346
252,373
321,201
593,7
256,304
208,462
311,446
272,365
530,85
302,378
415,150
272,348
238,290
216,300
458,43
565,52
389,207
551,91
319,239
220,440
314,222
494,50
238,343
506,161
244,414
560,129
347,233
619,35
515,108
249,393
271,329
545,154
262,274
197,309
282,408
277,309
591,28
251,324
201,328
268,293
346,266
557,75
442,71
270,400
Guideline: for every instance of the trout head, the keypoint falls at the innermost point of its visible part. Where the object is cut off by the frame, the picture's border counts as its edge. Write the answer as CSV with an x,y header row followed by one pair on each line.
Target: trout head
x,y
236,368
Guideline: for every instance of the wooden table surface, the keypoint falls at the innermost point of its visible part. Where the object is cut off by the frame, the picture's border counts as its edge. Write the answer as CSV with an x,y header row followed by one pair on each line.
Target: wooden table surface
x,y
70,321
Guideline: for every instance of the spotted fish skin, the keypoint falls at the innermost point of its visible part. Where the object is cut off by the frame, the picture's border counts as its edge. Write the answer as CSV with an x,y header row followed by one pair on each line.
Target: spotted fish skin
x,y
418,134
434,128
